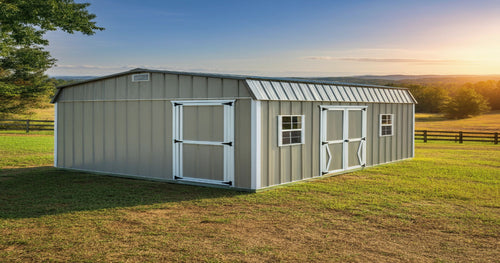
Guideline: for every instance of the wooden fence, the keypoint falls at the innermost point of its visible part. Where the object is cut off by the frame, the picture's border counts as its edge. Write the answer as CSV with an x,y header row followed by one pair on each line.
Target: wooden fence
x,y
456,136
27,125
424,135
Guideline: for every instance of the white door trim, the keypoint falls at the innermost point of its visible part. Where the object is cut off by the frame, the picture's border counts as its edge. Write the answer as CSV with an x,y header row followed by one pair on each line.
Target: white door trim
x,y
178,140
325,150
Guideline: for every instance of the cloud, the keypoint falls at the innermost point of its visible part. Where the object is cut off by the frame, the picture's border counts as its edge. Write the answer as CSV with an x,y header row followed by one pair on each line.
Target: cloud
x,y
389,60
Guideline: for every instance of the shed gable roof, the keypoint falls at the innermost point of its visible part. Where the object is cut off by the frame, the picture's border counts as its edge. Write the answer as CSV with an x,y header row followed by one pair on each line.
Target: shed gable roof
x,y
304,91
292,89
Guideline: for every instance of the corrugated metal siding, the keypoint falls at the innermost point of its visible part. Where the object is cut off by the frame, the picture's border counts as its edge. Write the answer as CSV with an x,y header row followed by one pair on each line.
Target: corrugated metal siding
x,y
124,127
293,91
292,163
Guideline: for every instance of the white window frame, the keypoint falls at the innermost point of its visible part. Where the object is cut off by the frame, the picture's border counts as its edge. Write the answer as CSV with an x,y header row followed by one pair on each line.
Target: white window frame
x,y
280,130
386,125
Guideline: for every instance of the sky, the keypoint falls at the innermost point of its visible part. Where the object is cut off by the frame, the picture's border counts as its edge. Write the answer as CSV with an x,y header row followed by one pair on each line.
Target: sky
x,y
309,38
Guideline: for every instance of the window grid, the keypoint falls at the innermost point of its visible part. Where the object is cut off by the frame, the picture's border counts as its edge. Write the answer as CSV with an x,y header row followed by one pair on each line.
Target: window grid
x,y
291,129
386,124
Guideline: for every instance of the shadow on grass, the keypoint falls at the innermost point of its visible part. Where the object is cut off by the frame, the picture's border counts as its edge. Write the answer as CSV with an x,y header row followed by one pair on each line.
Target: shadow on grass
x,y
34,192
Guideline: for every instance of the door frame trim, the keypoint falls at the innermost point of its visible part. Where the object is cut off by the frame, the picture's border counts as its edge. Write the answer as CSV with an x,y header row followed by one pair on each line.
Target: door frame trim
x,y
345,130
177,140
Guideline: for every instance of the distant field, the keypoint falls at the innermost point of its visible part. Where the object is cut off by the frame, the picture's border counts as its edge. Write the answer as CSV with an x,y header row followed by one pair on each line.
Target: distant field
x,y
442,206
46,113
488,123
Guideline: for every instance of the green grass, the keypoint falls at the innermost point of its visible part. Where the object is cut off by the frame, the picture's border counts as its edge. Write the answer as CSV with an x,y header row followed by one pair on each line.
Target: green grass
x,y
21,150
442,206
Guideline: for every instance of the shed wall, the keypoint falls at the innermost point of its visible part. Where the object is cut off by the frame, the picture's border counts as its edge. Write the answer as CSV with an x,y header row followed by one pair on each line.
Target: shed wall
x,y
124,127
297,162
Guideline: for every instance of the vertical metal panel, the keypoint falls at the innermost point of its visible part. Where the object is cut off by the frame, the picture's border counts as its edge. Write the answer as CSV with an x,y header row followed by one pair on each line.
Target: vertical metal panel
x,y
394,110
98,133
132,108
229,88
109,135
78,133
109,89
200,87
296,150
243,90
145,136
121,88
172,86
285,174
274,154
265,143
121,131
185,86
243,144
88,135
214,87
307,163
157,86
399,132
68,130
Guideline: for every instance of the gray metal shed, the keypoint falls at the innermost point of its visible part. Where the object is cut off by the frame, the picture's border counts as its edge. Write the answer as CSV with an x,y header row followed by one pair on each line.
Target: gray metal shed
x,y
227,130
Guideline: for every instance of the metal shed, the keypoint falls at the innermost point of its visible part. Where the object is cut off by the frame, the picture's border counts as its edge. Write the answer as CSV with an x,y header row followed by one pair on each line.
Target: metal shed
x,y
230,131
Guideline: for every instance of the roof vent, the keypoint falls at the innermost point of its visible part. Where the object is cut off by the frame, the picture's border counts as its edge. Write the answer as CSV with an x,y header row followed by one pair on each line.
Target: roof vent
x,y
140,77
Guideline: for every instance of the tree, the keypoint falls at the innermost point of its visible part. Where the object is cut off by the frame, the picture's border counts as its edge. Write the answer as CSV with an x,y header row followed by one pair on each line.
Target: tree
x,y
430,99
23,60
466,102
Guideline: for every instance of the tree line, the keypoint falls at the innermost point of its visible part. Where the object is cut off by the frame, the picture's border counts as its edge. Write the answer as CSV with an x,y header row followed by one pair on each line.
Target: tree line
x,y
457,101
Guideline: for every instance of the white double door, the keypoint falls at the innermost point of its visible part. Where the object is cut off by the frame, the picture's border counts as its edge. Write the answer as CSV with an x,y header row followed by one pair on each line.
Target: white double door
x,y
343,138
203,141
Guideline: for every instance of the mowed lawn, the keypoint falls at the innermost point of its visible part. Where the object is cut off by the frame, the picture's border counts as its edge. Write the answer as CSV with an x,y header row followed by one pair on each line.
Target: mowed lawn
x,y
442,206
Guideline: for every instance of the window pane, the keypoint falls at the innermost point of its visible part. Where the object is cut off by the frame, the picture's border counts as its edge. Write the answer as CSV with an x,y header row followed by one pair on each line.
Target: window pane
x,y
286,119
286,126
285,141
296,140
296,134
286,134
297,125
386,130
386,119
295,119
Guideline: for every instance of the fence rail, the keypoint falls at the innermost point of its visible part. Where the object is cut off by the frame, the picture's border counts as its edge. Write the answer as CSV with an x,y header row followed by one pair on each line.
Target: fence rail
x,y
456,136
27,125
424,135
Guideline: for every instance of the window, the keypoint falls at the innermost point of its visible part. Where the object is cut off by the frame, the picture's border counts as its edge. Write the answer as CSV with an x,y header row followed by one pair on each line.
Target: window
x,y
291,129
386,121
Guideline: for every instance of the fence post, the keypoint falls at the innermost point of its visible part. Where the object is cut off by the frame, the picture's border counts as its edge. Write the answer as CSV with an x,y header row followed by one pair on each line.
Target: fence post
x,y
496,137
27,126
461,137
425,136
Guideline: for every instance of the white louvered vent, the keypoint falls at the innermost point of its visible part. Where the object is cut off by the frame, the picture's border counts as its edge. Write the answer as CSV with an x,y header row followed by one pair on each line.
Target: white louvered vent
x,y
140,77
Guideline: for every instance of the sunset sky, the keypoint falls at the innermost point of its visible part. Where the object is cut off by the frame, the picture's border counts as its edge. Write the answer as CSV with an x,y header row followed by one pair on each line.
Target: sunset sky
x,y
286,38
